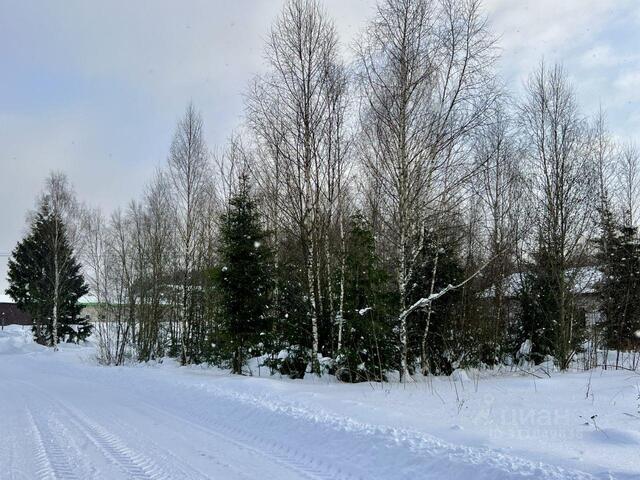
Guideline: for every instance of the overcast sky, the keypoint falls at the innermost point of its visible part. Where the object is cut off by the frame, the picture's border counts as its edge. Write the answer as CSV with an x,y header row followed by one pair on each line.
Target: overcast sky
x,y
95,88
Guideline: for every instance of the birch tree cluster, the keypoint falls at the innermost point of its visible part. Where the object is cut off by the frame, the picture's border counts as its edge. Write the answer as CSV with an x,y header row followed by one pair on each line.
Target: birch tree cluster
x,y
412,216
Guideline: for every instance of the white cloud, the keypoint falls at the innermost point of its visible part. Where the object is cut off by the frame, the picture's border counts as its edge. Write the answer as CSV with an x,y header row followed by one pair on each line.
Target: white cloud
x,y
555,31
629,81
605,56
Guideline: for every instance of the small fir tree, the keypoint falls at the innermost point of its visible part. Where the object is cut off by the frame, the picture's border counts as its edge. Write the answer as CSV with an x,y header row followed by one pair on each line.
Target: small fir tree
x,y
367,352
290,338
537,313
551,318
244,279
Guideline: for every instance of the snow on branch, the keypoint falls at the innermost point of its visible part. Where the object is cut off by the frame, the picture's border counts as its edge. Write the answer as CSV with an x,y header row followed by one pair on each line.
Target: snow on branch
x,y
426,301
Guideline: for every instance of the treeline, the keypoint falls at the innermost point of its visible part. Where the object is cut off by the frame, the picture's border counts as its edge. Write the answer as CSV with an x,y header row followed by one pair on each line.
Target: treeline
x,y
399,212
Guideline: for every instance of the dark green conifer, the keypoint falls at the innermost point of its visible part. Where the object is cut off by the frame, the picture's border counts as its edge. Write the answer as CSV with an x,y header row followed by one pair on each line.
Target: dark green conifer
x,y
43,256
244,278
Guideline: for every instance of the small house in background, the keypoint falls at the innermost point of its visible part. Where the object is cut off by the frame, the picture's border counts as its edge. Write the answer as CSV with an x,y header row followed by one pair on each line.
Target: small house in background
x,y
10,314
584,280
92,310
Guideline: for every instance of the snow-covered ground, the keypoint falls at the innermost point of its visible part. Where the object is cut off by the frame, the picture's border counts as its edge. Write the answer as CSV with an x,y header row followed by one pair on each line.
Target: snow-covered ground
x,y
64,417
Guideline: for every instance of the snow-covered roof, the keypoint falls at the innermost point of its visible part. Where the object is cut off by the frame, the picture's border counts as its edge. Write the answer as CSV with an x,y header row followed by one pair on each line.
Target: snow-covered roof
x,y
5,298
584,280
87,299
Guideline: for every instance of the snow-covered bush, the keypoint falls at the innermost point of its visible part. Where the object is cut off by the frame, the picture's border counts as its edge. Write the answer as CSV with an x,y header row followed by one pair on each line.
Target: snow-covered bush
x,y
292,361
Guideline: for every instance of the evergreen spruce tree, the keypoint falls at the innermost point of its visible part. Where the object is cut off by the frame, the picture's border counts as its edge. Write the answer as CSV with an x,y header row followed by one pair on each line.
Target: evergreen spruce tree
x,y
367,349
290,339
548,294
244,279
32,277
538,310
607,243
619,288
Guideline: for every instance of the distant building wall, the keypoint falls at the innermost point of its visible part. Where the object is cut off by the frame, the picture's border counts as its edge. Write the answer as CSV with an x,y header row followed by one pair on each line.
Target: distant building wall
x,y
10,314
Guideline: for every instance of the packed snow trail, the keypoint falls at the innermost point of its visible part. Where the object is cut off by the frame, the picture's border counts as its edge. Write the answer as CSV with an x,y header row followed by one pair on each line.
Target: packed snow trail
x,y
63,418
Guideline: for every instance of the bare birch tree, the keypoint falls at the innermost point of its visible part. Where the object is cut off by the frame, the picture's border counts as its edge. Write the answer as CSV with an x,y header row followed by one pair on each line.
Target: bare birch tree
x,y
563,178
157,240
292,111
499,189
628,173
188,173
426,79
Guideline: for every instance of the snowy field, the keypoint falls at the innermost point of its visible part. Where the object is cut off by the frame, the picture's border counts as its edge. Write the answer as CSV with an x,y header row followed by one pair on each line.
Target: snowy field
x,y
64,417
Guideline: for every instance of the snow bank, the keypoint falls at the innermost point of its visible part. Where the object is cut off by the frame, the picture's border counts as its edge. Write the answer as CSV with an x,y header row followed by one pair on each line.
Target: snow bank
x,y
17,339
473,424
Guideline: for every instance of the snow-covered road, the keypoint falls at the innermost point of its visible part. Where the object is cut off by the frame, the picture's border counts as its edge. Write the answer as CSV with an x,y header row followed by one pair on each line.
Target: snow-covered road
x,y
63,417
63,421
68,428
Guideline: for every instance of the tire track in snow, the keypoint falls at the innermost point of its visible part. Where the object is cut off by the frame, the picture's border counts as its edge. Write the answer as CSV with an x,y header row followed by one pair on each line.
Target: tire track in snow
x,y
139,467
19,436
288,457
184,471
300,464
172,468
44,468
134,465
50,457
